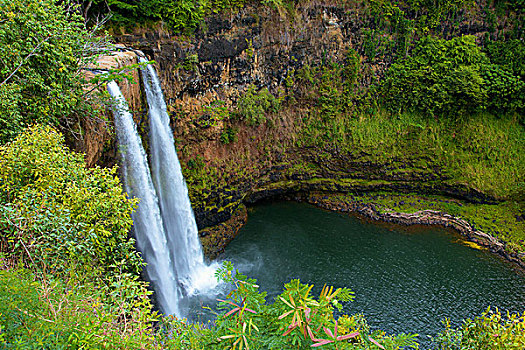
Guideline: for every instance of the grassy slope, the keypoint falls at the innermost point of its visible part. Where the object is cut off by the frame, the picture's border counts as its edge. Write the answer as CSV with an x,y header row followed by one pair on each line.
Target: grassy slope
x,y
485,153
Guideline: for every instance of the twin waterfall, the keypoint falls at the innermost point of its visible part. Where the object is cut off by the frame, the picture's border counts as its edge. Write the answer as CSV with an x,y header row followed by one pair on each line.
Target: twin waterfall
x,y
164,223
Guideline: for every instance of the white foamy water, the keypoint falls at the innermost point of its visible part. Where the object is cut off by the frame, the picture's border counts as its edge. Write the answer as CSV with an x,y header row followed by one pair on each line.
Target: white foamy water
x,y
164,223
147,221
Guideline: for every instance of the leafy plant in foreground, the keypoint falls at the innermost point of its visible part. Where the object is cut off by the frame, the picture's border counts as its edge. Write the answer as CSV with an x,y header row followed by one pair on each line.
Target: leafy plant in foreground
x,y
333,338
491,330
296,320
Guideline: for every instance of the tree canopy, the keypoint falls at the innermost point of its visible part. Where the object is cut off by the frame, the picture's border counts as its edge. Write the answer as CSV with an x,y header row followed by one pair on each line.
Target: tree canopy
x,y
43,46
453,78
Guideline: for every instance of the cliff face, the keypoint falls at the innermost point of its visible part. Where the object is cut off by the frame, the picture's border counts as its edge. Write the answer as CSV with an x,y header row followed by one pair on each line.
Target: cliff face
x,y
227,161
253,46
263,46
98,144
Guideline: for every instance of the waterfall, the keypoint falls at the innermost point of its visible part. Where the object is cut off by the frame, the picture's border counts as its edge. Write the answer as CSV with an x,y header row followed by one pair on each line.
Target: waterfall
x,y
147,222
164,223
177,214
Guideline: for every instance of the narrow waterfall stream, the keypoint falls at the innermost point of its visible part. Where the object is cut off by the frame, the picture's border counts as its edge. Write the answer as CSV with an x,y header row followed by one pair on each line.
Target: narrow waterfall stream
x,y
164,223
175,207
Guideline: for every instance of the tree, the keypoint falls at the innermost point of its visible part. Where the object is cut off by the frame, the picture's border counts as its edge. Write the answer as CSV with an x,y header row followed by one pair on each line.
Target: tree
x,y
440,77
43,46
451,79
56,215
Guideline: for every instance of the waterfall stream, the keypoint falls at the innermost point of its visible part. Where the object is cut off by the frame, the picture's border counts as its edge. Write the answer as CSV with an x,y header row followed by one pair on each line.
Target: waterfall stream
x,y
164,224
177,214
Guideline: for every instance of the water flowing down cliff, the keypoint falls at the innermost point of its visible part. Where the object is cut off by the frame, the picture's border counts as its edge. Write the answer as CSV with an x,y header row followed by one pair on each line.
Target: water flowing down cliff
x,y
147,222
175,207
164,223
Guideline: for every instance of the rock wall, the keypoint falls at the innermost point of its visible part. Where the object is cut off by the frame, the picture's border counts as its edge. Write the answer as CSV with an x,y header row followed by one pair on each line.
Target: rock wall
x,y
265,47
98,144
261,45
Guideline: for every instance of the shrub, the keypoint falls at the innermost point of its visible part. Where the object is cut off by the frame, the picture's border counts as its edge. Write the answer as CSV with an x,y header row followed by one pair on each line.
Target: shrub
x,y
215,113
51,314
505,91
253,106
509,55
451,79
43,44
439,78
490,331
229,135
58,216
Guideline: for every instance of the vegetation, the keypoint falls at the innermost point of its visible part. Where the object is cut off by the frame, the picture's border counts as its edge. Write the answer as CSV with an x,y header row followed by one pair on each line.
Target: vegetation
x,y
482,150
52,313
253,106
58,216
491,330
214,114
43,47
179,15
451,78
69,272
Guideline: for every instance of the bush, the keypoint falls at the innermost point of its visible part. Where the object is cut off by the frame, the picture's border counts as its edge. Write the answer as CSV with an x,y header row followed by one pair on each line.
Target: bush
x,y
505,91
214,114
51,314
253,106
509,55
43,44
451,79
490,331
58,216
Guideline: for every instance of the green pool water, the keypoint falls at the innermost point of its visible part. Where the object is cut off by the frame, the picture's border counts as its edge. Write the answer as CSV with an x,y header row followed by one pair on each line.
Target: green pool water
x,y
405,279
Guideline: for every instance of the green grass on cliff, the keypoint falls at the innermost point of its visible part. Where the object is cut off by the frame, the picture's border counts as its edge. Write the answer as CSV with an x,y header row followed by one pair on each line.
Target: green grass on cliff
x,y
501,220
484,152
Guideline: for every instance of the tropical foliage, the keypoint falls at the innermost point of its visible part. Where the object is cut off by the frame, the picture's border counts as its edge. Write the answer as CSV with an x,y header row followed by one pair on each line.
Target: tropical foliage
x,y
179,15
59,217
253,105
69,272
451,78
51,313
43,46
490,331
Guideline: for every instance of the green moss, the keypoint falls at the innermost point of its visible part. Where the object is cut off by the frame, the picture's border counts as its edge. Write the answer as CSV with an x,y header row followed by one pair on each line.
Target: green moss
x,y
484,152
498,220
